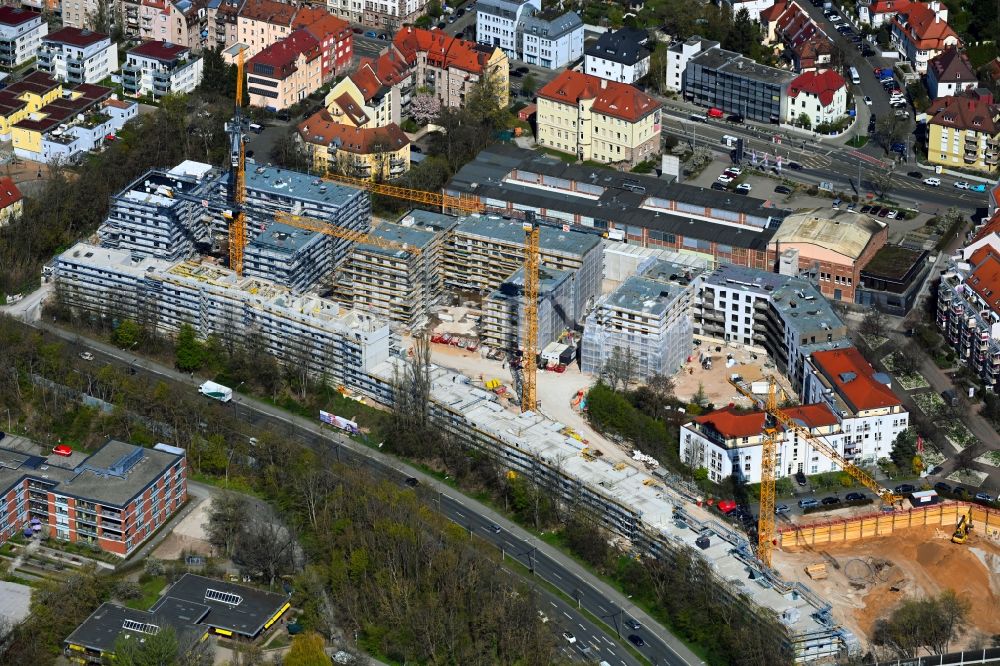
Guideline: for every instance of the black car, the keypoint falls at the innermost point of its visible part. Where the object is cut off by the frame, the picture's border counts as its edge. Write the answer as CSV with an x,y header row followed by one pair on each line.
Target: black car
x,y
284,116
904,488
783,189
516,74
636,640
416,149
916,174
800,478
794,166
412,482
831,500
734,118
854,497
633,624
942,487
960,493
522,70
718,186
866,51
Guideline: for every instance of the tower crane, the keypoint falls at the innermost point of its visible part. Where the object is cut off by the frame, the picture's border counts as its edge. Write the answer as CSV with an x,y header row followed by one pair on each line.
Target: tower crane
x,y
774,420
237,186
319,226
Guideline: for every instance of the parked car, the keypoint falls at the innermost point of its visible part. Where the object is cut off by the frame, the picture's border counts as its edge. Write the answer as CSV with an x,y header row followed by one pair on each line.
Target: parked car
x,y
984,497
865,209
894,215
63,450
781,508
522,70
978,187
783,189
828,501
836,202
735,171
794,166
371,34
570,638
933,182
854,497
962,185
636,640
800,478
915,174
87,356
808,503
868,100
942,487
904,488
734,118
719,186
715,112
725,179
743,188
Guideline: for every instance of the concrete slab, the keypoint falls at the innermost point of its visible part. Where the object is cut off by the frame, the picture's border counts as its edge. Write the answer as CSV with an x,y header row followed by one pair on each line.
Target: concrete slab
x,y
15,600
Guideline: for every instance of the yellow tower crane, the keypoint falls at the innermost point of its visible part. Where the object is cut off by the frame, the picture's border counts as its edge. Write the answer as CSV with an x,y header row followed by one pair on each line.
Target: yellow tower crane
x,y
238,227
311,224
774,420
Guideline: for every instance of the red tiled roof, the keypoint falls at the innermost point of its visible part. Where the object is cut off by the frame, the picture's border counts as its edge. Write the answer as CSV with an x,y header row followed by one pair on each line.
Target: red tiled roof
x,y
993,226
985,279
819,84
619,100
854,379
352,110
812,416
268,11
366,80
921,26
889,6
16,15
732,424
773,12
157,50
951,66
326,26
970,110
983,253
992,69
442,51
372,76
321,128
283,54
74,37
9,194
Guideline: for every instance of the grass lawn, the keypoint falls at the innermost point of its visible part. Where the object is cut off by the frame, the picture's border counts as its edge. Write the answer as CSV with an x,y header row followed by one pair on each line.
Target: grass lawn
x,y
565,157
858,141
150,593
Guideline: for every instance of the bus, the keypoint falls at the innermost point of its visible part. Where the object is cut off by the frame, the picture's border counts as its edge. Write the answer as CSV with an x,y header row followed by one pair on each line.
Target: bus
x,y
855,77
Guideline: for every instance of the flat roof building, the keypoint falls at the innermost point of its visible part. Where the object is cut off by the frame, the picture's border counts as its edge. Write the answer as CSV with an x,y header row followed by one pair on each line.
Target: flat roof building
x,y
502,324
298,258
736,84
892,279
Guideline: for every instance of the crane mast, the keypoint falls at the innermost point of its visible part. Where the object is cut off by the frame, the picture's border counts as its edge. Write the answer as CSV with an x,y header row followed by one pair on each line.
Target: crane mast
x,y
532,258
237,228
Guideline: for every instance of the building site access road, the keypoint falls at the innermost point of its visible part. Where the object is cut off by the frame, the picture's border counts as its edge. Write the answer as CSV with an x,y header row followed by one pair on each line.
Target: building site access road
x,y
556,568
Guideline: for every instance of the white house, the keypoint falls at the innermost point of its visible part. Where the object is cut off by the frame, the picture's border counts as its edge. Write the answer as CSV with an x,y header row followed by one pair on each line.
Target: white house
x,y
753,7
820,95
618,56
921,32
21,32
78,56
881,12
949,73
497,20
678,55
155,69
550,41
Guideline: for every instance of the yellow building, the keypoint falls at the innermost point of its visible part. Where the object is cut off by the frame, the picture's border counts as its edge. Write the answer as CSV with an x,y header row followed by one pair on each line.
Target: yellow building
x,y
24,97
964,131
363,99
377,153
596,119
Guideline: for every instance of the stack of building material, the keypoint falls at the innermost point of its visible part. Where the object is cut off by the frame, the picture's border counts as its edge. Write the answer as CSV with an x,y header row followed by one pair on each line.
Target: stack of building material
x,y
817,571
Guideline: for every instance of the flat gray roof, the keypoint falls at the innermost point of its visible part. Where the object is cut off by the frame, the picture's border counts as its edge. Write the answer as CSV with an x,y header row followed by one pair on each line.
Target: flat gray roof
x,y
282,238
100,631
397,233
246,618
639,294
737,65
549,279
428,219
506,230
294,184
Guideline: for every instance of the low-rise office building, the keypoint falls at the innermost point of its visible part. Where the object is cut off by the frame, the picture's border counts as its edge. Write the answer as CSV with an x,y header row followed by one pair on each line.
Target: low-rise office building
x,y
596,119
21,33
729,81
679,54
155,69
78,56
892,280
114,498
619,55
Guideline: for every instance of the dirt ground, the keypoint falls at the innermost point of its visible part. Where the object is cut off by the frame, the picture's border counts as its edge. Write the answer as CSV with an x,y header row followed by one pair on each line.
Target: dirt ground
x,y
716,381
188,536
875,575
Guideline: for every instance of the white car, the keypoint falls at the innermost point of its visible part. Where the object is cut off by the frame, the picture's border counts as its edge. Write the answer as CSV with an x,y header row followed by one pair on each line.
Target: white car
x,y
868,100
962,185
543,617
835,18
743,188
570,638
725,179
87,356
933,182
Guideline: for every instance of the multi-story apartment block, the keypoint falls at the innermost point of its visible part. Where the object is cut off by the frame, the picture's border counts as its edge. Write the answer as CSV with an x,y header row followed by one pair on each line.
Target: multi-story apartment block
x,y
370,96
175,21
350,10
728,81
649,316
550,39
950,73
336,41
392,15
309,332
619,55
968,313
644,210
295,258
596,119
21,33
679,54
964,131
921,31
26,96
484,251
155,69
78,56
451,67
497,21
114,498
392,282
377,153
502,324
285,72
828,247
223,23
819,95
261,23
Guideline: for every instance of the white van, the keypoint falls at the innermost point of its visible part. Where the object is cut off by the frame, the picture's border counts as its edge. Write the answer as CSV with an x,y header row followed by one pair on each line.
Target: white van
x,y
255,128
729,140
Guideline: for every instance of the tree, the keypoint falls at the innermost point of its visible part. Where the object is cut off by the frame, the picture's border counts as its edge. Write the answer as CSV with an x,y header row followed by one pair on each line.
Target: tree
x,y
881,181
930,623
424,107
528,85
434,8
155,649
289,152
805,120
619,370
307,650
127,335
226,518
655,396
873,324
890,129
190,351
742,36
264,550
904,449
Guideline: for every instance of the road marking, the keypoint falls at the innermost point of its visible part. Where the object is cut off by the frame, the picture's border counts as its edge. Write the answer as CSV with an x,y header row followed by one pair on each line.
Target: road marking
x,y
460,514
557,575
612,652
581,626
604,638
567,615
603,609
553,604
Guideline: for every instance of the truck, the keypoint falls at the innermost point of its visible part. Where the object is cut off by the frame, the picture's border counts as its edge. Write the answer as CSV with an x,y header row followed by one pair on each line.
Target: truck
x,y
216,391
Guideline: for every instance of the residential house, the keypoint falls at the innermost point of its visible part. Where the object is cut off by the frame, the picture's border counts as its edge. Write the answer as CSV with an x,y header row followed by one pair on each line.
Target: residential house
x,y
11,201
822,96
391,15
21,33
363,99
262,23
805,45
155,69
452,67
881,12
950,73
597,119
334,36
679,54
964,131
24,97
753,7
174,21
77,55
549,38
223,19
921,32
285,72
378,153
497,21
619,55
968,312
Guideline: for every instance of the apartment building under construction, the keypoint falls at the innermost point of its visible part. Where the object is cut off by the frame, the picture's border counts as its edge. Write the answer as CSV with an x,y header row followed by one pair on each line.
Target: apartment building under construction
x,y
502,323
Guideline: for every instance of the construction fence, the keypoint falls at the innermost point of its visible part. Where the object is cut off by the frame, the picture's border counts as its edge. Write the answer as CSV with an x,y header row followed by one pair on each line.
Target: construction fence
x,y
985,524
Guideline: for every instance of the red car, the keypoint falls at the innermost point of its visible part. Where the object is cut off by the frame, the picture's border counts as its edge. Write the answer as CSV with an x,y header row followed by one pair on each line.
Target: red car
x,y
715,113
63,450
727,506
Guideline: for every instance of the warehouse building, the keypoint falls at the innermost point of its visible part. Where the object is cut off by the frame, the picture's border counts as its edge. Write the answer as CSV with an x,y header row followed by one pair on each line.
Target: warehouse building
x,y
484,251
649,317
394,283
643,210
502,323
302,330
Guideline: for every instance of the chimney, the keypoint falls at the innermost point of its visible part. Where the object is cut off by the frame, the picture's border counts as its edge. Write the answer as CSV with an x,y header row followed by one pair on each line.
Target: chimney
x,y
604,84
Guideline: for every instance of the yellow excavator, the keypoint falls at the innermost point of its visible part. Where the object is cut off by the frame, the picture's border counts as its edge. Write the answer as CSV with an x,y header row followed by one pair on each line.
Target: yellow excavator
x,y
963,528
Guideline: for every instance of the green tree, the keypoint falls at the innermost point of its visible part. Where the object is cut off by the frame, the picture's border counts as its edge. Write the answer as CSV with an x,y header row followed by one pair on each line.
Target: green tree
x,y
190,351
529,84
157,649
307,650
904,449
434,8
805,120
127,335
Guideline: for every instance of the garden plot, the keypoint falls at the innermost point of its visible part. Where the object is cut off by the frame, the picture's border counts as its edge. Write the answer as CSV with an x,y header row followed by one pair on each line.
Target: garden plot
x,y
957,434
968,477
930,403
909,382
874,341
991,458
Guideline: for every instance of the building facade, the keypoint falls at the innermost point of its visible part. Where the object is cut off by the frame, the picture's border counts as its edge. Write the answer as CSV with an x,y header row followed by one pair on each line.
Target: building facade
x,y
502,324
968,314
596,119
155,69
728,81
261,23
950,73
21,33
679,54
376,153
26,96
550,39
820,96
286,72
921,32
497,21
619,56
77,56
964,131
392,15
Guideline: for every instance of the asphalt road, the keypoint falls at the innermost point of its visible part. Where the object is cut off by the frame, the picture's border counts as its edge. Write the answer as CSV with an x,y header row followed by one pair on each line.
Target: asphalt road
x,y
548,564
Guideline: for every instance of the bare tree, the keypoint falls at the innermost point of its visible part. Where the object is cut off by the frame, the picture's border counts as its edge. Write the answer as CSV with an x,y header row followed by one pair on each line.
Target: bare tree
x,y
265,550
620,369
881,181
226,517
874,323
